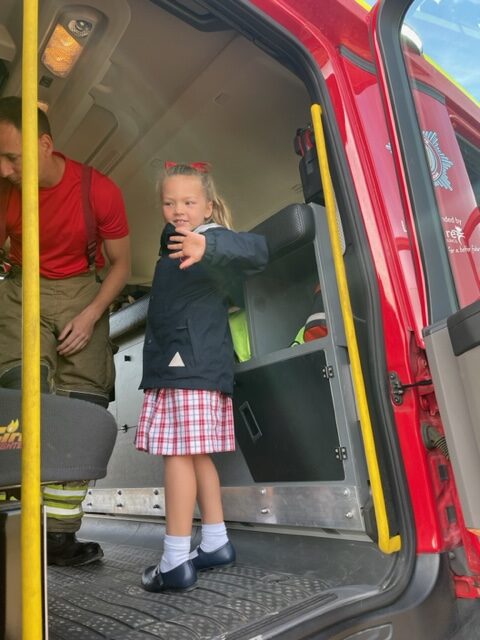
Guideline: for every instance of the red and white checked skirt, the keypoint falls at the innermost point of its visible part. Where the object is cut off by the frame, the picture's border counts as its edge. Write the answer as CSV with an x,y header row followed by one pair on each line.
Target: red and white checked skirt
x,y
183,422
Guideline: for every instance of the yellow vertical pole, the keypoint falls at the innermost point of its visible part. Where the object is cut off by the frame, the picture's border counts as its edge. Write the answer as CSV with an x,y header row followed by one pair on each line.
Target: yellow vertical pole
x,y
386,542
32,624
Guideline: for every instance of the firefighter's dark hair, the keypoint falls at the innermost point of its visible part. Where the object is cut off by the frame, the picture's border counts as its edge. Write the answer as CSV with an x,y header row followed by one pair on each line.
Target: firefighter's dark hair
x,y
11,112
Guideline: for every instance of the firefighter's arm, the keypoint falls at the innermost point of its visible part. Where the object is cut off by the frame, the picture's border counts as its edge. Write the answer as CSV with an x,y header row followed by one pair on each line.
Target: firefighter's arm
x,y
5,248
77,333
4,263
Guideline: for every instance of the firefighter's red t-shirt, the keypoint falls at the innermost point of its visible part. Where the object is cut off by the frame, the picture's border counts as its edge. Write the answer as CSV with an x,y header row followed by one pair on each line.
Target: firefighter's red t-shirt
x,y
63,236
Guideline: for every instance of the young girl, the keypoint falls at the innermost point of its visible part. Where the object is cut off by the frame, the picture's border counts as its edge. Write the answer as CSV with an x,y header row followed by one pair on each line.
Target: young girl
x,y
188,367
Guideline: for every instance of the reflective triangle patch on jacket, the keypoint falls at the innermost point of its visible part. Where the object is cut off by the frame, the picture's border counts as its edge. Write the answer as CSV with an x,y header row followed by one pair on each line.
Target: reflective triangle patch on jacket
x,y
176,361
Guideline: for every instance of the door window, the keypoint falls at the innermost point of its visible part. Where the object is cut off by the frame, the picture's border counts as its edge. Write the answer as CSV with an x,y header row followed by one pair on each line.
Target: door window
x,y
441,47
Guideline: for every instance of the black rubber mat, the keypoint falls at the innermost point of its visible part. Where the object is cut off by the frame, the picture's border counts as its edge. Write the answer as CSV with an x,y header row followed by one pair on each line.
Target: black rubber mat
x,y
105,600
469,620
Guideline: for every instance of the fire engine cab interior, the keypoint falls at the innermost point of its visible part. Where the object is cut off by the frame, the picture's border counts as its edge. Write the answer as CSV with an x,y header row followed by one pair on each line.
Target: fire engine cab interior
x,y
159,80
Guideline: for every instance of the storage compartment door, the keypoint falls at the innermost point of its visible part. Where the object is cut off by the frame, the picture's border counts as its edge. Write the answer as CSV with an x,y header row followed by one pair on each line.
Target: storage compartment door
x,y
285,421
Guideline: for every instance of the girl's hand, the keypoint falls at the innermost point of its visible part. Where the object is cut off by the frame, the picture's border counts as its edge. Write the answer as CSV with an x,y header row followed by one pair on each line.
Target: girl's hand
x,y
188,246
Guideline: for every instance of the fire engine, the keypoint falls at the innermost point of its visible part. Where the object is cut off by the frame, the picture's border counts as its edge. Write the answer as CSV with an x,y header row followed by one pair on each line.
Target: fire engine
x,y
346,132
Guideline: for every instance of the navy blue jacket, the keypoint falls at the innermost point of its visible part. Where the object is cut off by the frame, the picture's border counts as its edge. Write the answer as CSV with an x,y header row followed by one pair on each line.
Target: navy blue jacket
x,y
188,344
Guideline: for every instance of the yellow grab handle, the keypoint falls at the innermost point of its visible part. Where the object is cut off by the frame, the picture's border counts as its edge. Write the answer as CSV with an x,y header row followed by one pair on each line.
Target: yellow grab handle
x,y
386,542
32,614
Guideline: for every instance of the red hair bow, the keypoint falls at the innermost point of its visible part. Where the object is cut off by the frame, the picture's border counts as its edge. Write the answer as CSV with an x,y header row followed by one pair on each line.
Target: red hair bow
x,y
201,167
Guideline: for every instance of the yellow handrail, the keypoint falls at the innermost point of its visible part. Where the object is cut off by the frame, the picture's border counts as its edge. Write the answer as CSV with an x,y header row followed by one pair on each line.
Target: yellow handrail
x,y
32,618
386,542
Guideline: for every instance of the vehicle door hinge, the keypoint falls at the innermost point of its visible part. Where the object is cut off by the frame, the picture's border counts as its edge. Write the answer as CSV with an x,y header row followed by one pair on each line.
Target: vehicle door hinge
x,y
397,388
327,371
341,453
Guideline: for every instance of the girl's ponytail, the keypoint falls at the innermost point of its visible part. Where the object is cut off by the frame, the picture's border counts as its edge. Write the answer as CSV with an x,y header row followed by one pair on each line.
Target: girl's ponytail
x,y
221,213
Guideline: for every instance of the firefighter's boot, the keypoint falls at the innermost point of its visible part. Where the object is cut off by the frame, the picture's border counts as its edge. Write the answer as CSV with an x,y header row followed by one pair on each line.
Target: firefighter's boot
x,y
65,550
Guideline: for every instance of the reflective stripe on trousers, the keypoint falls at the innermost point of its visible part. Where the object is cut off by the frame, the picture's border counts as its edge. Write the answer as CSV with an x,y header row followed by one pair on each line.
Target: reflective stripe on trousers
x,y
63,504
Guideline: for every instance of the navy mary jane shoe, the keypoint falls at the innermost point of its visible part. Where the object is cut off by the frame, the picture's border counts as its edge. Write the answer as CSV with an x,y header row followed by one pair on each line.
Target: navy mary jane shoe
x,y
222,557
182,578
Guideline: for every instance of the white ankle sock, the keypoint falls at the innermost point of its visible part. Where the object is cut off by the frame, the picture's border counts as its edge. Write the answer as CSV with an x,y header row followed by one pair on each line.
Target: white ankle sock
x,y
214,536
175,552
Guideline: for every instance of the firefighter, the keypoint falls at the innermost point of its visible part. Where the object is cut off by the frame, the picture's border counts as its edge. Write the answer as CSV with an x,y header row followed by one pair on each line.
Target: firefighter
x,y
79,211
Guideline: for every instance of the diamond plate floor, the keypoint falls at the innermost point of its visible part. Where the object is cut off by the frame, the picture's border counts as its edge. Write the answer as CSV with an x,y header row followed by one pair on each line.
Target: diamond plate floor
x,y
275,577
104,600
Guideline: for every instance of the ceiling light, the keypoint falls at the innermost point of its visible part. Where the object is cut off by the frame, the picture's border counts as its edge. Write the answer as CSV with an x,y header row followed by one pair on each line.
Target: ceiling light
x,y
68,40
62,52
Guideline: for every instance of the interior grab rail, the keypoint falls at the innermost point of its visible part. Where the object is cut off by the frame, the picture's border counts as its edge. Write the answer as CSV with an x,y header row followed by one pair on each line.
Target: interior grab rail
x,y
386,542
32,606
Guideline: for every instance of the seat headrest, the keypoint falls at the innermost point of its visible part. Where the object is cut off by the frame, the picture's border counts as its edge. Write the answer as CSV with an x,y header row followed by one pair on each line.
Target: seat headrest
x,y
292,227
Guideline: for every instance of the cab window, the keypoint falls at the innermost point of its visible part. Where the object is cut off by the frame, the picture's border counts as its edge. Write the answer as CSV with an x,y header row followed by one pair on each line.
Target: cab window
x,y
446,89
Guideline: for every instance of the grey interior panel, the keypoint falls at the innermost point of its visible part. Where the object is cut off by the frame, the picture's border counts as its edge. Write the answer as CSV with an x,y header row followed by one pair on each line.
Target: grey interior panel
x,y
456,385
464,332
295,413
464,328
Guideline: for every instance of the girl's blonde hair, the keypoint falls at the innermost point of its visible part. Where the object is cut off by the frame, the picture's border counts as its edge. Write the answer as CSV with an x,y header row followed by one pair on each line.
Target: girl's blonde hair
x,y
221,213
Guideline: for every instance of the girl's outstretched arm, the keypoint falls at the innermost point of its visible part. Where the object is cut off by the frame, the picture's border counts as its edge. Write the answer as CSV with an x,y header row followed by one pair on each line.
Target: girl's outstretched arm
x,y
246,253
241,252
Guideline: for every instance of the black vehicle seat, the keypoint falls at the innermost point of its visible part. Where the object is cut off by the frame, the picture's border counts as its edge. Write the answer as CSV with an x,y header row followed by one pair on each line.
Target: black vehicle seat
x,y
77,439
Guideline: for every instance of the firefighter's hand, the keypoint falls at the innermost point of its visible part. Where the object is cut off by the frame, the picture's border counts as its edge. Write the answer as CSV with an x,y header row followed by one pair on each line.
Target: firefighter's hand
x,y
188,246
76,334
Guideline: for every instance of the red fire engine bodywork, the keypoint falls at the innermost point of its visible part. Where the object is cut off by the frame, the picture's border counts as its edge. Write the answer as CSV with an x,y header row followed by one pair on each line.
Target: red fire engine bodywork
x,y
365,122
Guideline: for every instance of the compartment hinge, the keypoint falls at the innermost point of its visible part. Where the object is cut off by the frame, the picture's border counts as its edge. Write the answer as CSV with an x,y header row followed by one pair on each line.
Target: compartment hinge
x,y
341,453
328,372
